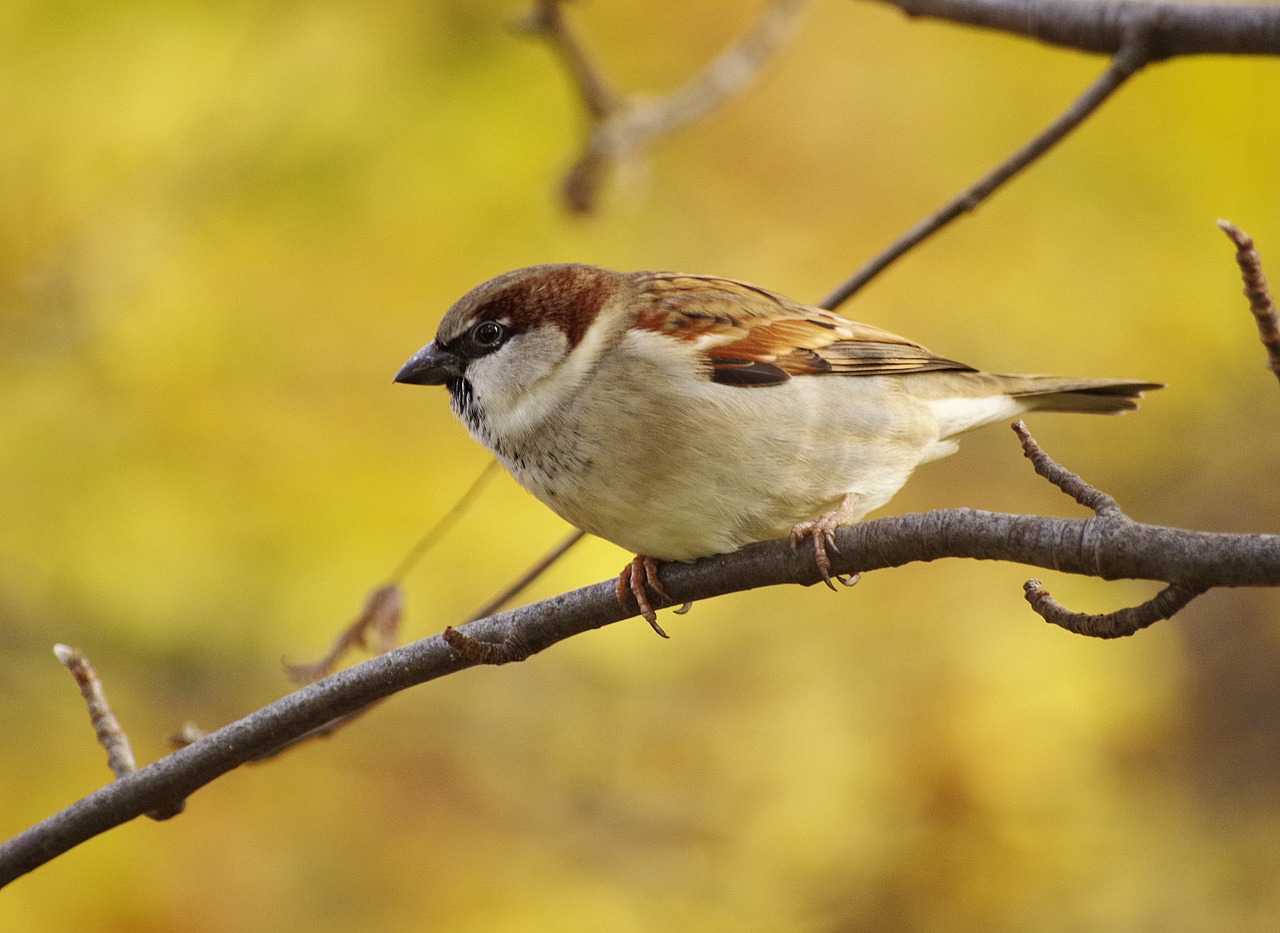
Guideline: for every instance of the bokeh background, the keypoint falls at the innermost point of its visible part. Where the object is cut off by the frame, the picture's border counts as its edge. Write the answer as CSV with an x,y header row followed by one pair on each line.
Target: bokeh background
x,y
223,227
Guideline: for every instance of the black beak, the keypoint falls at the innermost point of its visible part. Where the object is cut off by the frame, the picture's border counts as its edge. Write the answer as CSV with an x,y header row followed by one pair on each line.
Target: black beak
x,y
431,366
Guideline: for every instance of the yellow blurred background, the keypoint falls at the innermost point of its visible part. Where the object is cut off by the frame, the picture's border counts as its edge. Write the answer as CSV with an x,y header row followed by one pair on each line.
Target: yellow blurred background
x,y
223,227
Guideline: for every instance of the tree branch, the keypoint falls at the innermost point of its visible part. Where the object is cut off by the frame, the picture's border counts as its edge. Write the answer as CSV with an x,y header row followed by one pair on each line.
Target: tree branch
x,y
1170,29
1084,546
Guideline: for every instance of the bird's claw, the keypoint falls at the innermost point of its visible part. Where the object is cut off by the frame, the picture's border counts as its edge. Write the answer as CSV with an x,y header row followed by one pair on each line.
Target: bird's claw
x,y
636,579
822,532
822,538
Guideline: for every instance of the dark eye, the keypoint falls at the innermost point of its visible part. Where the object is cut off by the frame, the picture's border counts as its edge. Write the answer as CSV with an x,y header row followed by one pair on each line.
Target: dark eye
x,y
488,334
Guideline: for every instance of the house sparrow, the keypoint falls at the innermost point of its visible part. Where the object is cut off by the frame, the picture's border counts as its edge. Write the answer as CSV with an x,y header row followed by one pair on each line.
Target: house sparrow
x,y
680,416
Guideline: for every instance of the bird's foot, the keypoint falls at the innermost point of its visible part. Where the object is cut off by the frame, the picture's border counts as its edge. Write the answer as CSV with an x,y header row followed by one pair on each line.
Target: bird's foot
x,y
822,532
637,579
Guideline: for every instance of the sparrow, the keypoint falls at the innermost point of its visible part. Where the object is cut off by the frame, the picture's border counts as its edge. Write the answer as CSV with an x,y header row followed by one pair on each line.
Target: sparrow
x,y
681,416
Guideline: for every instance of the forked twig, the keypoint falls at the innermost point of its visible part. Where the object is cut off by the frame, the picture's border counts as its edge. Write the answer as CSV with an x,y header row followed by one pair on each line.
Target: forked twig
x,y
1122,622
622,125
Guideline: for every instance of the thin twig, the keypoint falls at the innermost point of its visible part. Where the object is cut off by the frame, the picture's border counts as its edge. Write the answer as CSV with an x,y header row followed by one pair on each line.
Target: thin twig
x,y
1103,505
1119,624
537,570
1131,58
443,524
384,606
1261,303
106,726
381,614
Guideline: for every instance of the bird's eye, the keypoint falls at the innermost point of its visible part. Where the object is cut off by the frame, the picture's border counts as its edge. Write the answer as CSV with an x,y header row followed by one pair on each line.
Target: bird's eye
x,y
488,334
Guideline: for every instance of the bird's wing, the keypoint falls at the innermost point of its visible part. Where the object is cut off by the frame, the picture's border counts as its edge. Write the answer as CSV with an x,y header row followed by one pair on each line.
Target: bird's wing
x,y
754,337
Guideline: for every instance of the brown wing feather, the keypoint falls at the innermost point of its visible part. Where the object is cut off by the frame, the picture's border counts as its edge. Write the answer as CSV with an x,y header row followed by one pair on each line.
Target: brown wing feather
x,y
755,337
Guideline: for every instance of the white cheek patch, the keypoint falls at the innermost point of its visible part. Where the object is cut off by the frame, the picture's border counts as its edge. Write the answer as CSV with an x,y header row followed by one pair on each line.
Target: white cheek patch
x,y
534,375
957,415
507,382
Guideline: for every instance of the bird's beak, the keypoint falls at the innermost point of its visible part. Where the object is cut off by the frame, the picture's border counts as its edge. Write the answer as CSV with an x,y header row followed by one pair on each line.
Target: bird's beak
x,y
431,366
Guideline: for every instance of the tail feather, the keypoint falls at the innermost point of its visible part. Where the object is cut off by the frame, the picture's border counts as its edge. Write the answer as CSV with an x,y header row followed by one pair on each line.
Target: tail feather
x,y
1087,396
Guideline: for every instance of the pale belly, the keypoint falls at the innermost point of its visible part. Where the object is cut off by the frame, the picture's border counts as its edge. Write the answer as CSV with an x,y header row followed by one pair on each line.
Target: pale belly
x,y
681,478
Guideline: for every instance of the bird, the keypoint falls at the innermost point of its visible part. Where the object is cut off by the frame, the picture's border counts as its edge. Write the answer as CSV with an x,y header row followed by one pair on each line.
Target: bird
x,y
681,416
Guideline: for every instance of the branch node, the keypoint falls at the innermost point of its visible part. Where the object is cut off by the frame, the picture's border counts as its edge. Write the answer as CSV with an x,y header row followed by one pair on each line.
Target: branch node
x,y
510,649
1119,624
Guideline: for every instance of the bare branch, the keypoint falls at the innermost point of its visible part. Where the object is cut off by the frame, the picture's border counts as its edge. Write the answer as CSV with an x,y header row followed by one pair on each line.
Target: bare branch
x,y
621,126
1095,499
107,727
1171,28
1119,624
1131,58
1258,292
1111,550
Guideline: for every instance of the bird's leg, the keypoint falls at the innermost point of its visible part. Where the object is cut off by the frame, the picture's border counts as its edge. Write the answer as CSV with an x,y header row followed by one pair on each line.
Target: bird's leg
x,y
823,533
636,578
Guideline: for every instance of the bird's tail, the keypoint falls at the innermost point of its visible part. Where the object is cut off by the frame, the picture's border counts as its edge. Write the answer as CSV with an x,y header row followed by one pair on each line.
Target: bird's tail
x,y
1091,396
